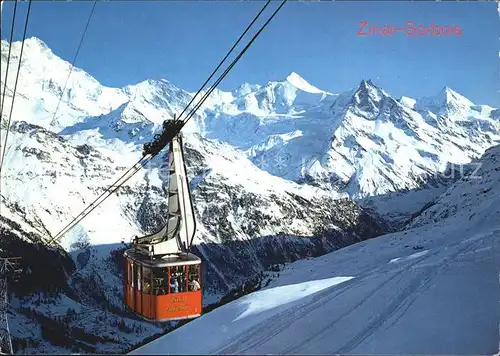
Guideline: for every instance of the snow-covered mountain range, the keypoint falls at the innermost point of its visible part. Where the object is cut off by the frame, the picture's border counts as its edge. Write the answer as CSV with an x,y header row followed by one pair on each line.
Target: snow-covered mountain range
x,y
362,141
280,171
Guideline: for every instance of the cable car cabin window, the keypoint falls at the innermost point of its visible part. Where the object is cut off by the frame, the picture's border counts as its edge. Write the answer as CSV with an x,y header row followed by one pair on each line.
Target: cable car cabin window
x,y
133,275
183,282
177,279
160,281
194,277
147,280
137,277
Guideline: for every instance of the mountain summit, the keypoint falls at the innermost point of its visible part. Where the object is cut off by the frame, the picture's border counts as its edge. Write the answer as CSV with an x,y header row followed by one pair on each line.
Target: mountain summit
x,y
300,83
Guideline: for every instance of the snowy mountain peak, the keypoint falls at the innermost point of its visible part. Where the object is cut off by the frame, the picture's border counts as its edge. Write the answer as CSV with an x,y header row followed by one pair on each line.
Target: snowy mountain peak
x,y
448,95
302,84
154,83
287,96
367,86
161,81
367,98
407,101
44,87
35,41
31,42
34,46
155,87
366,83
447,103
245,88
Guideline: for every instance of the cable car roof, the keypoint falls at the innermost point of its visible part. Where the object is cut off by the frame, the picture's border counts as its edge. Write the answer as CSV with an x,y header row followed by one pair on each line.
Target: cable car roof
x,y
165,261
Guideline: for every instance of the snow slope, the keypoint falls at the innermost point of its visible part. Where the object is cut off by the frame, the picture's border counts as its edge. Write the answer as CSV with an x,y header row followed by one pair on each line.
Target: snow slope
x,y
433,289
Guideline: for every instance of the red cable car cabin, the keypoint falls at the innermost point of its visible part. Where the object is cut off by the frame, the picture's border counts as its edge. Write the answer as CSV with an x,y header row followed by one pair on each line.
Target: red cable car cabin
x,y
162,279
164,289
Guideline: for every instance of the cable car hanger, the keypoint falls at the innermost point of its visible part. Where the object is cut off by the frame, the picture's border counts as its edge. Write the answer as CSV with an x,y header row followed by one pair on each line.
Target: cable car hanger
x,y
162,277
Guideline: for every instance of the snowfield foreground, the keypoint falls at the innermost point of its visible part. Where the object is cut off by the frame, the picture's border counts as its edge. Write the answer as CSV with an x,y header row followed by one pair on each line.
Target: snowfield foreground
x,y
379,296
433,289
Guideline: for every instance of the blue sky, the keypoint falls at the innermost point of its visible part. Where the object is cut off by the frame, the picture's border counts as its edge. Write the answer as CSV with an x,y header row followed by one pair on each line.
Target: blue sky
x,y
182,41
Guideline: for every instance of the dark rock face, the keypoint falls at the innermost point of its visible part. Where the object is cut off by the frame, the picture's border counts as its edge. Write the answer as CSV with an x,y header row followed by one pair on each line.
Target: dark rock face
x,y
151,213
232,262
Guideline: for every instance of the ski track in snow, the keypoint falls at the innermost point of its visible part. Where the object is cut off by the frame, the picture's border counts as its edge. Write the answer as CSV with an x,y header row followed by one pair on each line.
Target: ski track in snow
x,y
403,280
381,310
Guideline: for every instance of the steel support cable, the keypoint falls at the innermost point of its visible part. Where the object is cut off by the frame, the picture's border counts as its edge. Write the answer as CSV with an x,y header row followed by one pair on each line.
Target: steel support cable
x,y
146,158
1,15
15,86
233,63
8,58
104,195
73,62
201,88
224,59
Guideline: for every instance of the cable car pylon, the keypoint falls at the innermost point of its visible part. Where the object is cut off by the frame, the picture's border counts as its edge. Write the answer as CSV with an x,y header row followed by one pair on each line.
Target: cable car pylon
x,y
6,269
162,277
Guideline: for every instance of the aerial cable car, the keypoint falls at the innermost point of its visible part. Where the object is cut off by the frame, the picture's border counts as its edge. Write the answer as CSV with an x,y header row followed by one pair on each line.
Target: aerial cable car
x,y
162,278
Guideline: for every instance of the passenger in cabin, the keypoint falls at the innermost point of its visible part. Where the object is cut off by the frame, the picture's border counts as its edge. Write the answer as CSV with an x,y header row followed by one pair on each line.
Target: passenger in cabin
x,y
194,285
159,286
181,284
160,291
174,285
164,286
